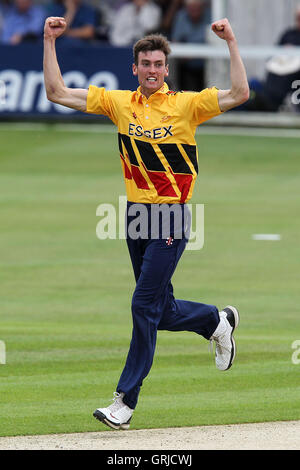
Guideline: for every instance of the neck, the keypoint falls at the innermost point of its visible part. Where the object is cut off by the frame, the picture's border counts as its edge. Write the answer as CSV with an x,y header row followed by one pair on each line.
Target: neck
x,y
148,93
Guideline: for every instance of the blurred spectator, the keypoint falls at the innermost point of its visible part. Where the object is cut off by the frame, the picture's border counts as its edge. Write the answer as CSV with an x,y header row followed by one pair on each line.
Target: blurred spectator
x,y
81,19
1,17
107,11
291,37
4,6
22,21
190,27
282,71
109,8
169,10
133,21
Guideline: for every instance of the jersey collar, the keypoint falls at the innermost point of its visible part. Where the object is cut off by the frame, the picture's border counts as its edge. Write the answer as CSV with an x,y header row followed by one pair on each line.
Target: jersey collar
x,y
138,96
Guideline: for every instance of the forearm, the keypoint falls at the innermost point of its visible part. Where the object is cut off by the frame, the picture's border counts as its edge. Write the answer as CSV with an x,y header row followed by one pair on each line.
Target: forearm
x,y
54,83
239,91
57,92
238,76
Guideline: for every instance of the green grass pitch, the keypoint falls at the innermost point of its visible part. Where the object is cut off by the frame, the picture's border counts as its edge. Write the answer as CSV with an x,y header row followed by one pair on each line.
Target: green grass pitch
x,y
65,295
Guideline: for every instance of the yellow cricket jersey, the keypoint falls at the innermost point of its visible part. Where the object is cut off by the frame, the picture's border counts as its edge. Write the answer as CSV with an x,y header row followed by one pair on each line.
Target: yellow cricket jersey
x,y
156,138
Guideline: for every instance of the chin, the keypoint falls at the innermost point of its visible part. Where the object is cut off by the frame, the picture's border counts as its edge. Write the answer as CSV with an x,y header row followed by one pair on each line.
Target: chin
x,y
154,87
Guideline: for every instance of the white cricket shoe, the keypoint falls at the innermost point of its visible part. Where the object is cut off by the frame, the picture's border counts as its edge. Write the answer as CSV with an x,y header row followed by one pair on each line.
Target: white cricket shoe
x,y
117,415
223,337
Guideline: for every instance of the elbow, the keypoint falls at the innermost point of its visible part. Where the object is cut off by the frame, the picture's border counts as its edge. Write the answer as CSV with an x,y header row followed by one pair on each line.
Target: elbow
x,y
244,95
53,95
239,96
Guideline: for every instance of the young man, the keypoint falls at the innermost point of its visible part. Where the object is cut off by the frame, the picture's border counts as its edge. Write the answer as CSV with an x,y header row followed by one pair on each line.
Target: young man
x,y
159,158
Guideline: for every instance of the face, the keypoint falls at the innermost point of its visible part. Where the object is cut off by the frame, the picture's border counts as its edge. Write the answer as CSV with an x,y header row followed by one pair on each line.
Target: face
x,y
151,71
195,10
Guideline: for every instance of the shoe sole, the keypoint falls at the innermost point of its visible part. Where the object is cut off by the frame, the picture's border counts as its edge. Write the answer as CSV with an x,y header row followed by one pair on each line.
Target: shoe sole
x,y
101,417
236,323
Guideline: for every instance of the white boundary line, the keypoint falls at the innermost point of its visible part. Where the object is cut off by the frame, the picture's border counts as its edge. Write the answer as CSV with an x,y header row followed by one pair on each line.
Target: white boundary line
x,y
266,236
92,128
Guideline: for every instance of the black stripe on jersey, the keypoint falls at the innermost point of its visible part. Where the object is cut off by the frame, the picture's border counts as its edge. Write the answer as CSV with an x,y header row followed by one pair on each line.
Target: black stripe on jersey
x,y
191,152
128,145
120,144
149,157
175,159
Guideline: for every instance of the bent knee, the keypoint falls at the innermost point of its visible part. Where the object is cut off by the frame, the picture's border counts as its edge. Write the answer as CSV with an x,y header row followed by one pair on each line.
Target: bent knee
x,y
143,307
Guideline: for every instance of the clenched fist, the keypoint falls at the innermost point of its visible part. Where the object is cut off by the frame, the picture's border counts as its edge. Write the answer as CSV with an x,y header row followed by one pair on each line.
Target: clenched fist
x,y
54,27
223,29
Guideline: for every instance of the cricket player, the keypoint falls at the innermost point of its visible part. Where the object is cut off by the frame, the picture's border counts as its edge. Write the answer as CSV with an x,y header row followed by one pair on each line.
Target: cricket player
x,y
156,129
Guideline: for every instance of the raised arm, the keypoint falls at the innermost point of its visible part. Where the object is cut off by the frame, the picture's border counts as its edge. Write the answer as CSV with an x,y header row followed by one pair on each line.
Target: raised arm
x,y
56,90
239,92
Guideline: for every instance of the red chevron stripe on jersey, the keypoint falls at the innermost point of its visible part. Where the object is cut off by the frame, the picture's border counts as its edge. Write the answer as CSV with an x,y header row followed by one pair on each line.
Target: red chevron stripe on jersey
x,y
184,183
161,183
127,173
138,178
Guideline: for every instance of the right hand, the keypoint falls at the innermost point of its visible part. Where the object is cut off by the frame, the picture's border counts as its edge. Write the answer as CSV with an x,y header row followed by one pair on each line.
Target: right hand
x,y
54,27
223,29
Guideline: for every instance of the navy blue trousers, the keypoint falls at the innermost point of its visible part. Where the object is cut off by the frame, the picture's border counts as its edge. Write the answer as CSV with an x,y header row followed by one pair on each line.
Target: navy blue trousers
x,y
155,308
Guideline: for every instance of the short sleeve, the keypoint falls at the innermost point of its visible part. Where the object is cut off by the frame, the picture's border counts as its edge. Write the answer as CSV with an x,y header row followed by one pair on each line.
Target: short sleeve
x,y
99,102
205,105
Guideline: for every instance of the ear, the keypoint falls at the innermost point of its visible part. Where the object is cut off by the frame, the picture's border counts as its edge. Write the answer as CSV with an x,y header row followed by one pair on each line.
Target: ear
x,y
134,69
167,70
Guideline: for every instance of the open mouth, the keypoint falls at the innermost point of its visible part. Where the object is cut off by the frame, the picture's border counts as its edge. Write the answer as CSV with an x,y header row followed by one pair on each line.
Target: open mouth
x,y
151,79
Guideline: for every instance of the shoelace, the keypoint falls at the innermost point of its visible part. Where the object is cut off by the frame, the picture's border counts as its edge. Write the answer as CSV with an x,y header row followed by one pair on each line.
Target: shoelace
x,y
116,396
116,402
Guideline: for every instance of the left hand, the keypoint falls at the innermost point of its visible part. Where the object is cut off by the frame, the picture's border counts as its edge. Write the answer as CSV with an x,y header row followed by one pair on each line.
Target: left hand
x,y
223,29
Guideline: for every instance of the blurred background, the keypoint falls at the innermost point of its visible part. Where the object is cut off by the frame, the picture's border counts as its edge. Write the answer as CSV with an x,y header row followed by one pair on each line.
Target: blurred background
x,y
97,49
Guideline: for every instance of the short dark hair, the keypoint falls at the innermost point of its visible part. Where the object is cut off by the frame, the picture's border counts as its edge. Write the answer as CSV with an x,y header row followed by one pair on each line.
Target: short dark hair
x,y
152,42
